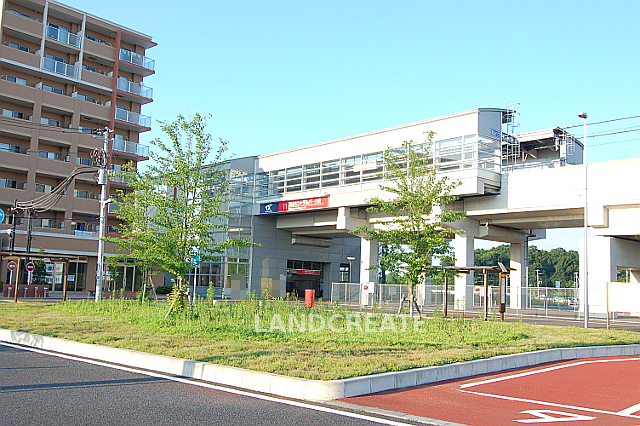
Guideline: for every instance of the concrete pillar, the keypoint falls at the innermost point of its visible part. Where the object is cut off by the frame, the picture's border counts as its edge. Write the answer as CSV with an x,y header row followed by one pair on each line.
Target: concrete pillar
x,y
518,278
368,257
605,255
463,245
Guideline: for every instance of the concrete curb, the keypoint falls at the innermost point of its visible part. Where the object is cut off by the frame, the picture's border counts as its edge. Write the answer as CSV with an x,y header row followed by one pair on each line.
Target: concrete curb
x,y
312,390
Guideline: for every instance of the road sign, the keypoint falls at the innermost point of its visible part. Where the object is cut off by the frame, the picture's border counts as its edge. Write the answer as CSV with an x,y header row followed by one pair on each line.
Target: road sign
x,y
1,215
195,260
30,266
12,266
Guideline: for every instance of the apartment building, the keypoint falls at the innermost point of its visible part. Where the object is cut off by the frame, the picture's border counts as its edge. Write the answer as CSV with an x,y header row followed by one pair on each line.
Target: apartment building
x,y
64,73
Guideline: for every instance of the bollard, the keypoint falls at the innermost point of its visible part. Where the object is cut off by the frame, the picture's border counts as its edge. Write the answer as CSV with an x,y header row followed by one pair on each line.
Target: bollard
x,y
309,297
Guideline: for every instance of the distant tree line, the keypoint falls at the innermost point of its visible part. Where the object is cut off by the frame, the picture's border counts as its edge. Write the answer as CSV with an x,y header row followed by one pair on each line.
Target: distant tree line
x,y
552,266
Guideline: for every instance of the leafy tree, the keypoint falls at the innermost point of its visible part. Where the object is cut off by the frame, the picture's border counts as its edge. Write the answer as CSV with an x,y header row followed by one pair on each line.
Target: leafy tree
x,y
176,202
554,265
413,230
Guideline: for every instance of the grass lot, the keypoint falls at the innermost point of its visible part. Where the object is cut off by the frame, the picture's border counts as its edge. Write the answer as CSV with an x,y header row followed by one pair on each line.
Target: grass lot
x,y
277,337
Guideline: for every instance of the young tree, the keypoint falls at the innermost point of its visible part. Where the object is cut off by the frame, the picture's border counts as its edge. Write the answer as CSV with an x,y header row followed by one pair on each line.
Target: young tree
x,y
413,228
176,202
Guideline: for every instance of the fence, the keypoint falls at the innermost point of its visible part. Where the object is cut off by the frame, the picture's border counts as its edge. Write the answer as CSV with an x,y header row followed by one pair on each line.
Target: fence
x,y
536,301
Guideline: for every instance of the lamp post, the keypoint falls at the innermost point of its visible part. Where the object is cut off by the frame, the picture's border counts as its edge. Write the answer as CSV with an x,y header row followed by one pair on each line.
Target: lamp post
x,y
350,259
585,269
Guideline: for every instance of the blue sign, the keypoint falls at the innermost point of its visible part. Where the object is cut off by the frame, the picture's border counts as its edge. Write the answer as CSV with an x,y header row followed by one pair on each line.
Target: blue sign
x,y
195,260
1,215
269,207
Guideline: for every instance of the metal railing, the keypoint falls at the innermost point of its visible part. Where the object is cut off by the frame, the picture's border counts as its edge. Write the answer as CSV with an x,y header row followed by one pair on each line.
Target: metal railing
x,y
135,88
63,35
133,117
59,67
122,145
137,59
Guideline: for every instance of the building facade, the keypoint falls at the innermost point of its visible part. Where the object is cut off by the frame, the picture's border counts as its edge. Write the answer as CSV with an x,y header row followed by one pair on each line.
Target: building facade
x,y
64,74
303,205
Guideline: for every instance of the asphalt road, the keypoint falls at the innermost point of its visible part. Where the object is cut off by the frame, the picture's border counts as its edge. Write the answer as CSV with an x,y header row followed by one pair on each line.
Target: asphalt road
x,y
40,389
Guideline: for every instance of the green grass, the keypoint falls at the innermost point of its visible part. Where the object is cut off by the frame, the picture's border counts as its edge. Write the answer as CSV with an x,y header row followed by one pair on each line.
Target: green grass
x,y
226,334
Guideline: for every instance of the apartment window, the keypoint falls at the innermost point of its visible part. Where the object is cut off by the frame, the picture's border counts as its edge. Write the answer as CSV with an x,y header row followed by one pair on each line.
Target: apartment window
x,y
56,58
9,148
19,47
80,193
90,68
8,183
87,130
97,40
15,12
16,80
52,89
85,98
50,122
11,113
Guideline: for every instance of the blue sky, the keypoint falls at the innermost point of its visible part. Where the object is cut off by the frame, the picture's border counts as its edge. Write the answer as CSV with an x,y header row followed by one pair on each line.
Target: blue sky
x,y
281,74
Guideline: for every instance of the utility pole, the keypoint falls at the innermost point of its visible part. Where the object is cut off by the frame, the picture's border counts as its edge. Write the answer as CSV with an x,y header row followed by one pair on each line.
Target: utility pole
x,y
14,217
102,160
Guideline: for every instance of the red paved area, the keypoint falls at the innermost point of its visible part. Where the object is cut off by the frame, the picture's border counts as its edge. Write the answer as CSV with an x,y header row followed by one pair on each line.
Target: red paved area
x,y
597,391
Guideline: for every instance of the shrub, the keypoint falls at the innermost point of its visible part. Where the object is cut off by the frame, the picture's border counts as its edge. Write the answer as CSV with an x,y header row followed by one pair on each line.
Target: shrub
x,y
164,289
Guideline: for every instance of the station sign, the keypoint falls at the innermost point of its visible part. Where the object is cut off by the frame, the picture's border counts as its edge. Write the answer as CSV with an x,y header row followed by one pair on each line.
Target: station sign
x,y
12,266
295,205
30,266
303,271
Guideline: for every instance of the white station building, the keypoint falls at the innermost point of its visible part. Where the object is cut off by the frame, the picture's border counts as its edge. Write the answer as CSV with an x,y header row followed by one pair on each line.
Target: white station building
x,y
301,205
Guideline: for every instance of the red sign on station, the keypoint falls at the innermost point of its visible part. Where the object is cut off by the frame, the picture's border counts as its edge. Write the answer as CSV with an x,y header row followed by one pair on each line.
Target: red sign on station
x,y
12,266
30,266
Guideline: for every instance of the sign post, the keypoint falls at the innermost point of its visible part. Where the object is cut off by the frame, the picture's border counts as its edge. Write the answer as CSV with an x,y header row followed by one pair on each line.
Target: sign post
x,y
195,261
30,266
12,266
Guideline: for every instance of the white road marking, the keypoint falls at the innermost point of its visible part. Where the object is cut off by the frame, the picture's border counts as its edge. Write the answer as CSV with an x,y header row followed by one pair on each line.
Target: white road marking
x,y
544,416
215,387
544,370
630,410
552,404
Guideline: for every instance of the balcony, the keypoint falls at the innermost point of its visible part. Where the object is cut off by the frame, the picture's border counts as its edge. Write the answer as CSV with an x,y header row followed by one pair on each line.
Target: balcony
x,y
63,36
135,89
122,145
140,63
138,120
59,67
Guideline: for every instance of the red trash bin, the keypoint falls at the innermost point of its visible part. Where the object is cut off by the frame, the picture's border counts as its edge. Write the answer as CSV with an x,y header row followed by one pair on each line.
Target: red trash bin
x,y
309,297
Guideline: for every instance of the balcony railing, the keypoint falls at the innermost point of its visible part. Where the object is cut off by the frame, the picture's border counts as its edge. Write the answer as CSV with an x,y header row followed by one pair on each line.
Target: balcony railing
x,y
59,67
137,59
133,118
63,35
122,145
135,88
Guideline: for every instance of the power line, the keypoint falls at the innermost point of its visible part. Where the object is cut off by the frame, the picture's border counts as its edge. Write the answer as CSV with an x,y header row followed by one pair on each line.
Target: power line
x,y
602,122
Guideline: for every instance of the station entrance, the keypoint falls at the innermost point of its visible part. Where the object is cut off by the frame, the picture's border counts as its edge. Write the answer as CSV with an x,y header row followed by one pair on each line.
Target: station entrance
x,y
303,275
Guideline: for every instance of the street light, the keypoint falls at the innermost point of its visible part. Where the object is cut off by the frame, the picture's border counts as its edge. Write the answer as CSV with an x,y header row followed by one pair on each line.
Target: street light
x,y
585,270
350,259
